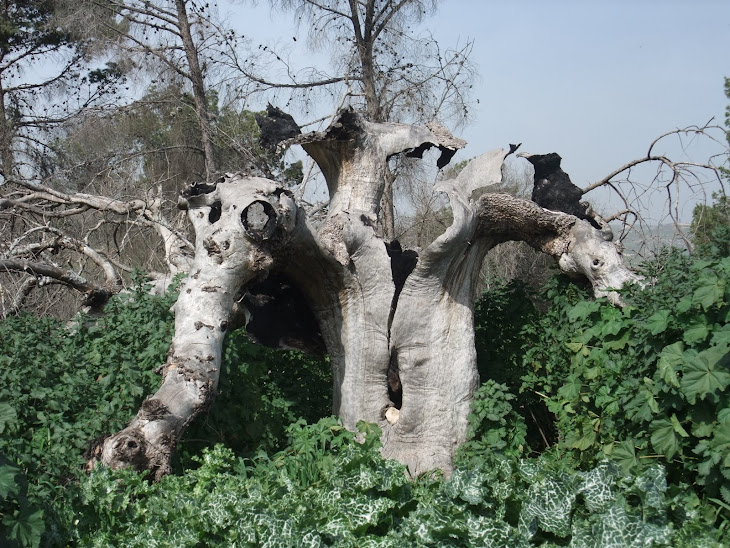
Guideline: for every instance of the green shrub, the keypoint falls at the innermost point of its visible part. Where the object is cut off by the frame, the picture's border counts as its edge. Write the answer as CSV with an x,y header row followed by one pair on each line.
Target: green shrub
x,y
330,487
63,386
21,524
647,382
637,452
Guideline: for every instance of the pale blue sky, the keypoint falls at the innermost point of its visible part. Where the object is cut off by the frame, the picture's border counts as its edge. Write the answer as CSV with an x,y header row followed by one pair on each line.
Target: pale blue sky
x,y
593,81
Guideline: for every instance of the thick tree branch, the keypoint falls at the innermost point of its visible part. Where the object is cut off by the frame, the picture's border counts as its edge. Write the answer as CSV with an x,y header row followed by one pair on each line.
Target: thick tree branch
x,y
96,294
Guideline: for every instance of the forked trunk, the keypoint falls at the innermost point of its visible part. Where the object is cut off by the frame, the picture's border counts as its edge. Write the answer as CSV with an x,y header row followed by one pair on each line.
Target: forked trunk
x,y
398,327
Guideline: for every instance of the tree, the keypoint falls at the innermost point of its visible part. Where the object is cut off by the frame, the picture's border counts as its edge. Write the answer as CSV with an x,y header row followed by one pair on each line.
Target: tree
x,y
710,227
382,311
102,182
396,323
391,73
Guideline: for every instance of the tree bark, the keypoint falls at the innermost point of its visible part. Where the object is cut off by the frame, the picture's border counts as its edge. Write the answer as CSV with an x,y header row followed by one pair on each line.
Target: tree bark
x,y
381,312
238,229
196,79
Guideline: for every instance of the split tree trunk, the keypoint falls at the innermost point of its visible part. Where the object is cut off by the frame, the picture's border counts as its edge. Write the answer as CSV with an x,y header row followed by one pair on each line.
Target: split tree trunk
x,y
380,311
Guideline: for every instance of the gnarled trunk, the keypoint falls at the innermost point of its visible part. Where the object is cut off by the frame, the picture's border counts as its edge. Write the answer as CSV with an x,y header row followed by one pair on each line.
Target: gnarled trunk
x,y
383,313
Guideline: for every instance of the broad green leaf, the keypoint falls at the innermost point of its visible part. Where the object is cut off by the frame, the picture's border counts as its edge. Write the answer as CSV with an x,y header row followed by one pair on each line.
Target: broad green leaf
x,y
704,373
710,292
703,419
684,305
596,486
697,331
670,360
548,505
678,427
584,437
664,438
657,323
8,416
27,528
574,346
721,336
583,310
8,484
673,353
624,454
616,528
618,344
667,369
613,327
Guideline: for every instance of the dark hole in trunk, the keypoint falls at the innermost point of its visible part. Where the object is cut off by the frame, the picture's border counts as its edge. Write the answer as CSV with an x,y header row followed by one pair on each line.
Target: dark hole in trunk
x,y
281,317
215,212
395,388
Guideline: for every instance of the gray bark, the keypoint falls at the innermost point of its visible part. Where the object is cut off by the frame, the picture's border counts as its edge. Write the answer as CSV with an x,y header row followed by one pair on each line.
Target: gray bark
x,y
196,79
375,318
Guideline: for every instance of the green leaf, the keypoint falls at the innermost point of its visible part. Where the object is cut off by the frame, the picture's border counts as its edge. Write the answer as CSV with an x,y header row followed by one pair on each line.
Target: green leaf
x,y
8,416
704,373
664,438
618,344
27,528
684,305
710,292
624,454
583,310
669,360
657,323
8,484
721,336
697,331
574,346
678,427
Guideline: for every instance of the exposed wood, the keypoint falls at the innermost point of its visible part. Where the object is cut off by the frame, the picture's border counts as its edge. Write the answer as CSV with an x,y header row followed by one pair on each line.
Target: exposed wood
x,y
397,325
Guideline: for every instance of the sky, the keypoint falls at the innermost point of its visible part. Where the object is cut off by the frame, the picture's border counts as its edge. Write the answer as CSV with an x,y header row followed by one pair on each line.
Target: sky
x,y
595,82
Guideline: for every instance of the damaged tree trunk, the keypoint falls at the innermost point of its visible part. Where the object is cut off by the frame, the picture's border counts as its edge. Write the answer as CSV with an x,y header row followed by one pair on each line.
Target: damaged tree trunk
x,y
398,327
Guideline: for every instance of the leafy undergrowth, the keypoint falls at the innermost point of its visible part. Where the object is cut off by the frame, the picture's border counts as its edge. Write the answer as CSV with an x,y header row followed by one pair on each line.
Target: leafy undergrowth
x,y
646,382
597,426
327,489
642,385
64,386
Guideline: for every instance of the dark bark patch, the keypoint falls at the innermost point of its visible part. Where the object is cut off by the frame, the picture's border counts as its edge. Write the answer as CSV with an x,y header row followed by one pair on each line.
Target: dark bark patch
x,y
215,212
402,263
276,126
367,222
197,189
153,409
93,452
554,190
201,325
395,388
213,249
444,158
130,449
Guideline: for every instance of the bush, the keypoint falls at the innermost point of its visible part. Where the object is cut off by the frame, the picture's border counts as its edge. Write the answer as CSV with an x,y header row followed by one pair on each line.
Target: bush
x,y
598,426
644,383
63,386
332,488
